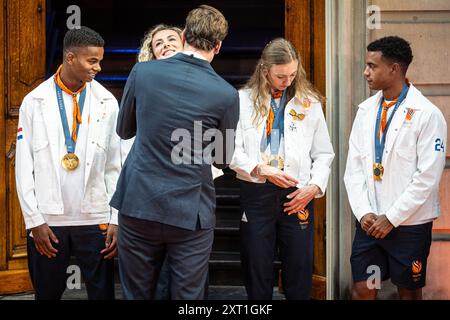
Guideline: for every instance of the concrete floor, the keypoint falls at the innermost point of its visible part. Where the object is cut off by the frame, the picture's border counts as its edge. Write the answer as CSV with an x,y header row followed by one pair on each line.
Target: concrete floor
x,y
214,293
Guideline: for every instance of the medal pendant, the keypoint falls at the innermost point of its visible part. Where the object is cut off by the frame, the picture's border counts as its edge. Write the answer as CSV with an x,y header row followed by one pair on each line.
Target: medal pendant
x,y
70,162
378,171
277,162
273,163
280,163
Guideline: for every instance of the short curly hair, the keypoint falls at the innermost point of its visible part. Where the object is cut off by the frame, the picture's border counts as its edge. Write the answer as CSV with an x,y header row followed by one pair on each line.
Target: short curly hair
x,y
82,37
395,49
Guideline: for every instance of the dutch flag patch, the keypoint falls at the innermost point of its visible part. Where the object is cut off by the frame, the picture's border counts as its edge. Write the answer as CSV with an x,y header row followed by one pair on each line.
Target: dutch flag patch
x,y
19,134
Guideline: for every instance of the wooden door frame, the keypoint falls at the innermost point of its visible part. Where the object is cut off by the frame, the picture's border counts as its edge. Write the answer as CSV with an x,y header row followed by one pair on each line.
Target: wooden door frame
x,y
305,28
14,275
11,281
3,189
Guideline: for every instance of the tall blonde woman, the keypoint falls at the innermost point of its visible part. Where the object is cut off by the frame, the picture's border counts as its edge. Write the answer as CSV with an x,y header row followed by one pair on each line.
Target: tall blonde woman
x,y
160,42
282,157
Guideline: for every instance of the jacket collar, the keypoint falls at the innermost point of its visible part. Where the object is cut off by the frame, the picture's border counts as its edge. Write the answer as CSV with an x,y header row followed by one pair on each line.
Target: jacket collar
x,y
294,103
189,59
194,54
410,100
370,108
41,92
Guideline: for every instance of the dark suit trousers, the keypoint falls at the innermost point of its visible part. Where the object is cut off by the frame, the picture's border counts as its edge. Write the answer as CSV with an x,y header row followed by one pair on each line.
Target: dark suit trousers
x,y
142,247
266,228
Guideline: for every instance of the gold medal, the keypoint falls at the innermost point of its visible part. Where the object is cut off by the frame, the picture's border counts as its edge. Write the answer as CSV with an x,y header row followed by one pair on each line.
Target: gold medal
x,y
273,161
277,162
378,171
70,161
280,163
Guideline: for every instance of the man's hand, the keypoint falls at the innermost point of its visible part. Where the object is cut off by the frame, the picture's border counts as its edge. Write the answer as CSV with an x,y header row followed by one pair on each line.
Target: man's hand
x,y
42,235
300,198
110,250
367,220
380,228
275,175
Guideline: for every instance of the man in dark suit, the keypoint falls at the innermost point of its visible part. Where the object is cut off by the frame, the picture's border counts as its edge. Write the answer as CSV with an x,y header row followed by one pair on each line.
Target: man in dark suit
x,y
165,194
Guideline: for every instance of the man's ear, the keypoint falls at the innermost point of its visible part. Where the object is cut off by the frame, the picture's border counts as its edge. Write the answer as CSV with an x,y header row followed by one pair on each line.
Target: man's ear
x,y
70,57
217,47
396,68
183,37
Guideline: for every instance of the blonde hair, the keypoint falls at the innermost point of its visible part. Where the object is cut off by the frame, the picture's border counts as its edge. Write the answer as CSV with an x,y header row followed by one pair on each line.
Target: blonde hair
x,y
278,51
205,28
146,51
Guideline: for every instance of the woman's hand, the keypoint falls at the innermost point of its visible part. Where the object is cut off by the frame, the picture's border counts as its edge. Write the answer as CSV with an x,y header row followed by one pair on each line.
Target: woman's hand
x,y
300,198
276,176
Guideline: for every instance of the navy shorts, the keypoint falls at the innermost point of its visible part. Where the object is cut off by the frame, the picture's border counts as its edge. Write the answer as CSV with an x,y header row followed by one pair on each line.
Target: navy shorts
x,y
401,255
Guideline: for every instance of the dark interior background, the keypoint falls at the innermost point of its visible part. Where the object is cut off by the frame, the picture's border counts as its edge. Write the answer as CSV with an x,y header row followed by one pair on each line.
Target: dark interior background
x,y
122,24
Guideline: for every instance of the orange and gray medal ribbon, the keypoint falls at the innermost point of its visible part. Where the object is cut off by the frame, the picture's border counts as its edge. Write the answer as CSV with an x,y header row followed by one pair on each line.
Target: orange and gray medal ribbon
x,y
273,138
378,168
70,161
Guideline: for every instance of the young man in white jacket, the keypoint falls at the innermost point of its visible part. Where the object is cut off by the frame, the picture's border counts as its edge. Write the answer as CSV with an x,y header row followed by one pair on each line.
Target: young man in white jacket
x,y
67,166
395,160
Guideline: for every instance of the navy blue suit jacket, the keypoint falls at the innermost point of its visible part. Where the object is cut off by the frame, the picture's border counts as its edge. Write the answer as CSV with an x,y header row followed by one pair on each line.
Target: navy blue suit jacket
x,y
160,97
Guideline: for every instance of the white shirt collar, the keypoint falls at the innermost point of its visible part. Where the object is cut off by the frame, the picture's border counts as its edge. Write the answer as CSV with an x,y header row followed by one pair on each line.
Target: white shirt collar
x,y
195,54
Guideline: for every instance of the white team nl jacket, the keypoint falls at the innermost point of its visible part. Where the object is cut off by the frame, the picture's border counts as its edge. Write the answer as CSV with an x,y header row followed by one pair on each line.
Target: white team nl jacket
x,y
308,149
413,160
38,162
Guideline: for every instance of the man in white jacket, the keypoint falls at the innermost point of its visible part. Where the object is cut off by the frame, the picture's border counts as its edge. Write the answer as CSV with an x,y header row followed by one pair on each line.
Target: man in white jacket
x,y
395,160
67,166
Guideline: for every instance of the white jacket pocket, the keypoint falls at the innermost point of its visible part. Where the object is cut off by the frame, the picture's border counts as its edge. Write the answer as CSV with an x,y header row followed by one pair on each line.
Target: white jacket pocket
x,y
46,192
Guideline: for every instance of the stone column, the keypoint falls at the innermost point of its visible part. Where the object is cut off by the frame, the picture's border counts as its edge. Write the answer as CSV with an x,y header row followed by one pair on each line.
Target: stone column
x,y
345,89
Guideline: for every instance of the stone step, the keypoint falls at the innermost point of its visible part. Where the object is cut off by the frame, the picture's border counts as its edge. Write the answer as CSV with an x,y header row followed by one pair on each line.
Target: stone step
x,y
227,196
227,212
225,269
227,226
226,242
